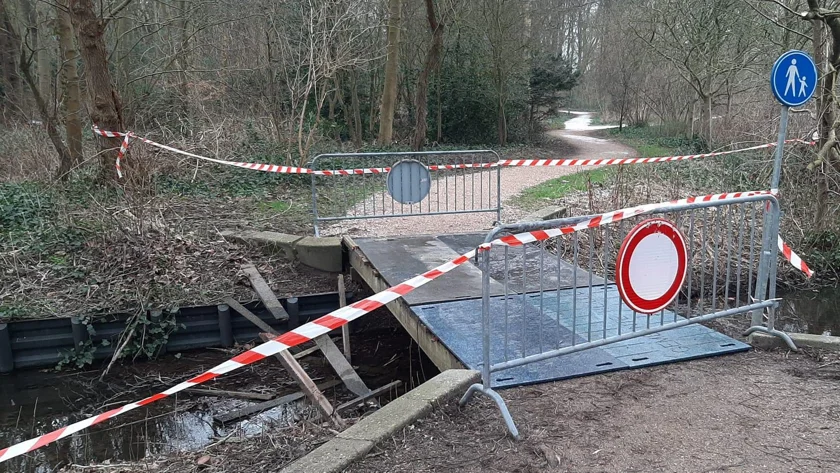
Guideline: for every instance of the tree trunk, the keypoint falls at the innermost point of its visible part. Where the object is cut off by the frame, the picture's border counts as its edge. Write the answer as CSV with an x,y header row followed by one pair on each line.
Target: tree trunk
x,y
29,41
354,105
70,84
372,108
439,137
49,119
432,63
10,93
502,122
44,69
389,90
106,107
706,118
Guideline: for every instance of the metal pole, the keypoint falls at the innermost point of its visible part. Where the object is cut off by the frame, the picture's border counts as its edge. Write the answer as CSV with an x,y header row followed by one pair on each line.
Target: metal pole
x,y
780,145
771,228
485,317
314,200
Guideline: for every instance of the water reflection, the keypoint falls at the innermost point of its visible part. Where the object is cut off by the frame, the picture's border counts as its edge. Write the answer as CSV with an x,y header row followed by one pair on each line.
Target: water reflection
x,y
34,403
811,312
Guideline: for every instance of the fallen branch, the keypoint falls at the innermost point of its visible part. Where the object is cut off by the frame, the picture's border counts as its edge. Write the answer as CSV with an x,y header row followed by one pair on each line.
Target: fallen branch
x,y
117,352
236,394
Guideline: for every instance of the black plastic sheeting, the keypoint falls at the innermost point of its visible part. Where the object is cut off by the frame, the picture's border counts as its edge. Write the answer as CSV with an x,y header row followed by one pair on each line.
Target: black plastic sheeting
x,y
45,342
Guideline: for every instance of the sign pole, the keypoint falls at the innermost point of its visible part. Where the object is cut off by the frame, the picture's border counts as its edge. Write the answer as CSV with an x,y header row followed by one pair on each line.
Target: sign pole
x,y
793,81
780,145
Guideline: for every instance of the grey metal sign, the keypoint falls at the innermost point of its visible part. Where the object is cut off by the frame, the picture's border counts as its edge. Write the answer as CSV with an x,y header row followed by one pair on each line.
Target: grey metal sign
x,y
409,181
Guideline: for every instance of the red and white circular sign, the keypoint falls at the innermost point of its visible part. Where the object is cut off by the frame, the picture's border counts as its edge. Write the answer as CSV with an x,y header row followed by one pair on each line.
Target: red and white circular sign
x,y
651,266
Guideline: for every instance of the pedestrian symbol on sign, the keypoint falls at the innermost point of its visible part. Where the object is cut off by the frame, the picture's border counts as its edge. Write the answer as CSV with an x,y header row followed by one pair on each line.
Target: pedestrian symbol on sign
x,y
794,78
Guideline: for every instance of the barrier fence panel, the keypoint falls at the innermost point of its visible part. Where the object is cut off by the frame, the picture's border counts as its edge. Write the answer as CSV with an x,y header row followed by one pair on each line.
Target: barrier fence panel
x,y
566,299
448,182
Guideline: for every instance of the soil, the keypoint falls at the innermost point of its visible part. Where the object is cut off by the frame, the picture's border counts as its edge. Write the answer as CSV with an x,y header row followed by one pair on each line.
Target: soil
x,y
756,411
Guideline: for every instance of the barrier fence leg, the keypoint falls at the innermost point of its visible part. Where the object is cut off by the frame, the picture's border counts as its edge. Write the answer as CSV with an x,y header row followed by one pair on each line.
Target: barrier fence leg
x,y
765,287
485,387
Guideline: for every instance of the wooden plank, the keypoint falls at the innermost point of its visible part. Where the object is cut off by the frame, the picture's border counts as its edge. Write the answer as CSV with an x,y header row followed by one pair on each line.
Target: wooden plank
x,y
236,394
345,329
431,345
374,393
264,406
316,397
292,366
265,293
249,315
324,343
306,352
344,370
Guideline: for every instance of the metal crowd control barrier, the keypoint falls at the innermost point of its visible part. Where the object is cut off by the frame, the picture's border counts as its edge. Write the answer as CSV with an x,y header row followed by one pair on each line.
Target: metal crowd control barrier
x,y
732,258
469,185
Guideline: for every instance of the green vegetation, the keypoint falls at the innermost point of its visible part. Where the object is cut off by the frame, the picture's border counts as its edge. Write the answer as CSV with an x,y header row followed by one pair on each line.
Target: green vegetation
x,y
652,141
549,191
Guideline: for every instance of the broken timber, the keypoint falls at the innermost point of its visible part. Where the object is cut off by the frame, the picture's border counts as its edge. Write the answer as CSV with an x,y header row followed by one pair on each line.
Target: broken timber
x,y
340,364
265,293
292,366
316,397
345,329
264,406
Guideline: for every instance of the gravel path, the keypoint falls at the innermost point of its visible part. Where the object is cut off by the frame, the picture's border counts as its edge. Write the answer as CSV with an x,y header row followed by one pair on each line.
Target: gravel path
x,y
576,137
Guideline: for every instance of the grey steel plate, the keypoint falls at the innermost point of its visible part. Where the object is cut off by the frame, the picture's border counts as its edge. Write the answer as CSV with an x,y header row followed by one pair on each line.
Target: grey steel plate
x,y
458,325
400,258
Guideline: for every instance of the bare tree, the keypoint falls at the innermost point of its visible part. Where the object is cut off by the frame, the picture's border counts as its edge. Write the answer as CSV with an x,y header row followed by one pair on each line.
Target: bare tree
x,y
389,89
105,103
431,64
70,86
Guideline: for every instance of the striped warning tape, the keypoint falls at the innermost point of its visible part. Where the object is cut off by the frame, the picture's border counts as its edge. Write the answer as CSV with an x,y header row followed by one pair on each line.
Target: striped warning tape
x,y
794,259
615,216
352,312
283,342
121,154
273,168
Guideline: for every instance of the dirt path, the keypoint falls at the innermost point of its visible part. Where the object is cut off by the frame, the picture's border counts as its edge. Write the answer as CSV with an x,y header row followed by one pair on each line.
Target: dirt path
x,y
574,142
756,411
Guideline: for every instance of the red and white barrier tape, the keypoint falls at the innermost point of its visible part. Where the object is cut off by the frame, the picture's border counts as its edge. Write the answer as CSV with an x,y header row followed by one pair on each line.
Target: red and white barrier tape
x,y
614,216
794,259
353,311
121,155
438,167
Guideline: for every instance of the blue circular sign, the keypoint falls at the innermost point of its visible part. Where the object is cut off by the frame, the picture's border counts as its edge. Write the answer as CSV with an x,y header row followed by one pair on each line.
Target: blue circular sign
x,y
409,181
794,78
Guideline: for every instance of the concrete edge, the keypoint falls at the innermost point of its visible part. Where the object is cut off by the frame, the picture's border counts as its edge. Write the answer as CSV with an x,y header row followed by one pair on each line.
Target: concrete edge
x,y
326,254
802,340
354,443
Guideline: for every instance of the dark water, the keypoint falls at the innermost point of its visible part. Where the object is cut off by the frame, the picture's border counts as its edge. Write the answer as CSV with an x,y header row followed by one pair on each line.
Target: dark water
x,y
37,402
816,312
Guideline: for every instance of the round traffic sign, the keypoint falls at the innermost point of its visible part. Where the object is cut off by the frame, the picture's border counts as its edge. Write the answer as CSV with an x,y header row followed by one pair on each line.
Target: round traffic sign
x,y
651,266
794,78
409,181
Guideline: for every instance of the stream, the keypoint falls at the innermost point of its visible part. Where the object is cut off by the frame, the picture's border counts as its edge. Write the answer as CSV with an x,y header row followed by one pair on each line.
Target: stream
x,y
37,402
816,312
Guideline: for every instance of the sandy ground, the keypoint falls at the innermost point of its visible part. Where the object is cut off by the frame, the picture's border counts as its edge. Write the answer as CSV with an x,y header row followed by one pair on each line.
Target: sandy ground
x,y
576,138
756,411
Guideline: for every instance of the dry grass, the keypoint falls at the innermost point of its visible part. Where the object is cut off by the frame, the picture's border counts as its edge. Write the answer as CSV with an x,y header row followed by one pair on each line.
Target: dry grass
x,y
150,240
